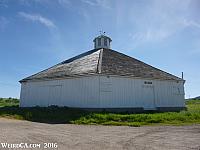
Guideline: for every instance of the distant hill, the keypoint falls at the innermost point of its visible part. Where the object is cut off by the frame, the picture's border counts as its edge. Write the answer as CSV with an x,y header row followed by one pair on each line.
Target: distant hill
x,y
194,98
198,97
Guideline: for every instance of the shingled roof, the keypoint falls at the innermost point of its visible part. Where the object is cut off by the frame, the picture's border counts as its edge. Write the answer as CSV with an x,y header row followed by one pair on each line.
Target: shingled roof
x,y
102,61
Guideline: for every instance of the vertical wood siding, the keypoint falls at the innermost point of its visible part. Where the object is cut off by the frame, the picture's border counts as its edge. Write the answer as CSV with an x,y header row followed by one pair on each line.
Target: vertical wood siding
x,y
103,92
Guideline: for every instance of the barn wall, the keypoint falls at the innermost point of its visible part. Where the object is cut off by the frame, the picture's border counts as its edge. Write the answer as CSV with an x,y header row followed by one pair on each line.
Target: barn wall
x,y
74,92
103,92
136,93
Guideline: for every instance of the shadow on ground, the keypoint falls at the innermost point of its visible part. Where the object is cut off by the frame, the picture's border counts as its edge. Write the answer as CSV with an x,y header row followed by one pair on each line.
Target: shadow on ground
x,y
59,115
51,115
63,115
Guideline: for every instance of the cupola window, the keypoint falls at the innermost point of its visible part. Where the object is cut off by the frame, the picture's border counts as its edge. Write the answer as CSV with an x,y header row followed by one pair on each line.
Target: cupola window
x,y
105,42
99,42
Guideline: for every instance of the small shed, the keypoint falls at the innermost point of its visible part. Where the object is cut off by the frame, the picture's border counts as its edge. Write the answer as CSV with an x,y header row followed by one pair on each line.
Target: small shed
x,y
104,79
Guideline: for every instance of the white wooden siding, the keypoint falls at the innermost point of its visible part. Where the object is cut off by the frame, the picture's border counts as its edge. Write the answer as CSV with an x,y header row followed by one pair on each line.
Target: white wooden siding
x,y
103,92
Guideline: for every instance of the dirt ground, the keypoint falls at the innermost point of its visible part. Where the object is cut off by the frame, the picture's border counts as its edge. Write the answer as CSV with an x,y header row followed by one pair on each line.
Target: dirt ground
x,y
91,137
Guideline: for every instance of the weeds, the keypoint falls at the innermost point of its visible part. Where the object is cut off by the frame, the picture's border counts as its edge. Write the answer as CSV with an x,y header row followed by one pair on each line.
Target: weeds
x,y
77,116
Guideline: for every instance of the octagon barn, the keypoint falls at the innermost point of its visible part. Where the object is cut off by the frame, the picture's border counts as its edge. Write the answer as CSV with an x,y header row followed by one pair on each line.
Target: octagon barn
x,y
104,79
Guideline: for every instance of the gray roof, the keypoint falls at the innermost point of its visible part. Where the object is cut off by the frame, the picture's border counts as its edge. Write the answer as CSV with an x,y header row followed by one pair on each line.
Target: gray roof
x,y
102,61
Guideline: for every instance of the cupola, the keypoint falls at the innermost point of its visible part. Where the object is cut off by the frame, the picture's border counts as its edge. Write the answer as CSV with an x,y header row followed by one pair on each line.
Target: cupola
x,y
102,41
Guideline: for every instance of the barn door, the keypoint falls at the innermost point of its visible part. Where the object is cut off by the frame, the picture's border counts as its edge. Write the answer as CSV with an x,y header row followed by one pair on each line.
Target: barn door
x,y
148,97
105,92
54,95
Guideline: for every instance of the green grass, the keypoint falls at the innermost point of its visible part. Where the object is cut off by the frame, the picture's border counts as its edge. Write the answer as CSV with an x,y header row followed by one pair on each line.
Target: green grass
x,y
191,116
9,102
77,116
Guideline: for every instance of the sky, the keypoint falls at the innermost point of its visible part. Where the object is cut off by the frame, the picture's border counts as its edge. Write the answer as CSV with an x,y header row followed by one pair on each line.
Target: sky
x,y
37,34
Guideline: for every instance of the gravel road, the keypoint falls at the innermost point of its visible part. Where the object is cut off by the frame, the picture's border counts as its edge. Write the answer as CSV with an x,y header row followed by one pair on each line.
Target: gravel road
x,y
91,137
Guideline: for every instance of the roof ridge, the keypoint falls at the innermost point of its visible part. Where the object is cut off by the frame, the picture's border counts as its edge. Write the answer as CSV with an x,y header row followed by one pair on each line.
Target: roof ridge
x,y
99,61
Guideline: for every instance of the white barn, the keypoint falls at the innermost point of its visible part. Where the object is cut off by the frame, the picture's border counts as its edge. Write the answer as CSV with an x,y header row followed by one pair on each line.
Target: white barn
x,y
104,79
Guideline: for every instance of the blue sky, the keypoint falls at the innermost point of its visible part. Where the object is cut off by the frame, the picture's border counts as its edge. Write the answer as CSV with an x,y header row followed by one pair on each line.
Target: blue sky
x,y
36,34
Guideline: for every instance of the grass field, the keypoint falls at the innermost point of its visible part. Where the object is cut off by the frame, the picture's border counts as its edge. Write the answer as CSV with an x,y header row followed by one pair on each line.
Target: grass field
x,y
9,108
9,102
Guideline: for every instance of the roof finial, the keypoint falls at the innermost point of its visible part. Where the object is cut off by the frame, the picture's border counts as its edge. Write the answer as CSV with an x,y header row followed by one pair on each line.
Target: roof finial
x,y
102,32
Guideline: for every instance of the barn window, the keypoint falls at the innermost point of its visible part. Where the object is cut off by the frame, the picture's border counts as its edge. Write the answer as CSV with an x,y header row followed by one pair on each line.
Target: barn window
x,y
147,82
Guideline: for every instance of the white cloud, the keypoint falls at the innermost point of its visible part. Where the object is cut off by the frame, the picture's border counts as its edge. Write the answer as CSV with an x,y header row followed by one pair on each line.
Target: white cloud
x,y
92,3
38,18
30,2
191,23
3,4
3,23
44,2
24,2
101,3
150,35
64,2
161,20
